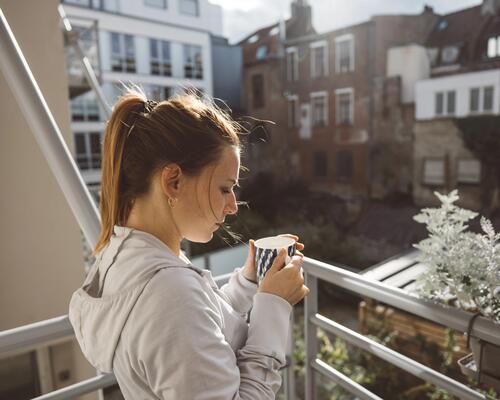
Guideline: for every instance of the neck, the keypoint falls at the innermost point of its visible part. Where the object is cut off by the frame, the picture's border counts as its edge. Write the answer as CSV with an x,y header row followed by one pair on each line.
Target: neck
x,y
146,217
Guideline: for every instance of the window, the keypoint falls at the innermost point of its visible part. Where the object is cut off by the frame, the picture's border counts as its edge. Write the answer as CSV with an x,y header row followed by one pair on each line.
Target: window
x,y
189,7
122,53
319,59
156,3
468,171
344,53
159,93
493,47
345,106
88,150
193,64
481,99
261,52
85,108
292,64
344,166
320,164
253,39
319,108
257,91
159,51
434,172
445,103
449,54
293,110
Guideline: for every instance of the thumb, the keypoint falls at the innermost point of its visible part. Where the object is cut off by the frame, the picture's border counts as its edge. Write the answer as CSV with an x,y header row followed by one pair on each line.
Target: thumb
x,y
279,262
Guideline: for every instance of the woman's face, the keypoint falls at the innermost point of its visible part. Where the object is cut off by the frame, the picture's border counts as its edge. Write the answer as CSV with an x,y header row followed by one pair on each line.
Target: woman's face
x,y
209,197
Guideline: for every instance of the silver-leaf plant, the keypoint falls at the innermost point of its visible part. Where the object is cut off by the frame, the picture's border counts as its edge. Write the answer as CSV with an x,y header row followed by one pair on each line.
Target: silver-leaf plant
x,y
463,267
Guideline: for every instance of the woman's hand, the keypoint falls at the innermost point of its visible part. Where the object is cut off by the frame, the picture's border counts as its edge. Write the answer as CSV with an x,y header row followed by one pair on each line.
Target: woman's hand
x,y
249,269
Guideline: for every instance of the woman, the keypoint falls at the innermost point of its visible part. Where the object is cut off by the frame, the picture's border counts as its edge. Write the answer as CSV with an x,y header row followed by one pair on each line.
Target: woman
x,y
145,312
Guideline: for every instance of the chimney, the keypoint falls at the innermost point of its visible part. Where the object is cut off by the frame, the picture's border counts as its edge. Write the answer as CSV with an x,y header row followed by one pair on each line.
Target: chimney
x,y
428,9
490,7
302,16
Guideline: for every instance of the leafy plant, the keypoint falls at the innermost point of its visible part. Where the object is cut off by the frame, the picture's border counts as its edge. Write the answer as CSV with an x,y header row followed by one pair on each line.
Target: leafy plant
x,y
463,267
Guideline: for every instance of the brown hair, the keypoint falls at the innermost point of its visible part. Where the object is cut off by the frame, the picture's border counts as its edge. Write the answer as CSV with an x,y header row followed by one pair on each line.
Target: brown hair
x,y
142,137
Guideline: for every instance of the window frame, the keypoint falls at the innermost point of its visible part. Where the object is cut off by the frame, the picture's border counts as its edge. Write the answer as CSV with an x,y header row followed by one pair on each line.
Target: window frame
x,y
314,95
164,65
349,37
460,179
292,72
197,69
293,98
481,99
423,179
340,92
88,161
445,95
127,64
163,7
312,51
183,11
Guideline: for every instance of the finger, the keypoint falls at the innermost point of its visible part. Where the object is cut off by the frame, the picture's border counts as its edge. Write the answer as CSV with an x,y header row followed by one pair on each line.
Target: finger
x,y
290,236
299,246
298,253
279,262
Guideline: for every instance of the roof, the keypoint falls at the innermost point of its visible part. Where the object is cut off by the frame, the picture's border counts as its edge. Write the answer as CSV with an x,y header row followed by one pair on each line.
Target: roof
x,y
400,271
465,33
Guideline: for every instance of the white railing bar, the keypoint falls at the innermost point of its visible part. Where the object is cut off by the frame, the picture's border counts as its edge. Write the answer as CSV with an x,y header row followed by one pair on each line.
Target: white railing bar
x,y
80,388
344,381
413,367
310,336
50,329
47,133
34,334
447,316
87,67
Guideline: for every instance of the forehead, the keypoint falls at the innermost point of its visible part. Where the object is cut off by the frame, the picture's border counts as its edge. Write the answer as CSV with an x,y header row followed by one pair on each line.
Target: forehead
x,y
228,166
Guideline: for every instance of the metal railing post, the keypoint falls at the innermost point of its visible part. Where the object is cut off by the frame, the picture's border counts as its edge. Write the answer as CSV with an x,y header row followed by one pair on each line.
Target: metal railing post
x,y
311,339
288,373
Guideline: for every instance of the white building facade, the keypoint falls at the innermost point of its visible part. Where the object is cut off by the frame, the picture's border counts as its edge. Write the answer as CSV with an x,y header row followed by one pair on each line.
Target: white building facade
x,y
162,45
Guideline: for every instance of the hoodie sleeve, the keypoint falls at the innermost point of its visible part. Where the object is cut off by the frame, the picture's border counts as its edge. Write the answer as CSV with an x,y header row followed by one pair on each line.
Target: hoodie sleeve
x,y
183,353
239,291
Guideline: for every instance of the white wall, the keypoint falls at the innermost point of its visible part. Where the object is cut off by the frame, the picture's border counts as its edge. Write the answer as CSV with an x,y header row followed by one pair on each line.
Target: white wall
x,y
412,64
461,83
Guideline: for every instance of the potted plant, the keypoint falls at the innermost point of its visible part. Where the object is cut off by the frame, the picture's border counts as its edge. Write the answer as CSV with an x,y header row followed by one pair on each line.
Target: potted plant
x,y
463,271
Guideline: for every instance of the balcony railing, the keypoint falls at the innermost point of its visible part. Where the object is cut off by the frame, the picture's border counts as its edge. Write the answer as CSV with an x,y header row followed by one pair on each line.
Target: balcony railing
x,y
58,328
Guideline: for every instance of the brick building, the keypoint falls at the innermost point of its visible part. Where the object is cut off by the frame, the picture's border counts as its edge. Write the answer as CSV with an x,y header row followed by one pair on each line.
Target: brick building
x,y
336,110
464,82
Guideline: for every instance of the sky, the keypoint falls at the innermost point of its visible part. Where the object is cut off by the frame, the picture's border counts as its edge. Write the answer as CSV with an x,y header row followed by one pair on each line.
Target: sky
x,y
241,17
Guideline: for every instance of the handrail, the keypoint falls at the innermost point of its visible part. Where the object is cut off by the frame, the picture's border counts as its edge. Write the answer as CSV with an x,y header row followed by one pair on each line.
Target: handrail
x,y
447,316
48,330
80,388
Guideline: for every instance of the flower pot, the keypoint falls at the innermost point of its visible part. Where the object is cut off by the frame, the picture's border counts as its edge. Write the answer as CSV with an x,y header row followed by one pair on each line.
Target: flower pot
x,y
468,367
486,356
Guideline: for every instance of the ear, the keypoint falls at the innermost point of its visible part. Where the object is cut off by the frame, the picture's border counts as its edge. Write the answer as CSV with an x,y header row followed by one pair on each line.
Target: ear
x,y
170,180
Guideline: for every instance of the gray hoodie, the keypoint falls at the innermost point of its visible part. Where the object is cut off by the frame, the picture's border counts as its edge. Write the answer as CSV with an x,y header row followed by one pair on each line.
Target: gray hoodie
x,y
168,332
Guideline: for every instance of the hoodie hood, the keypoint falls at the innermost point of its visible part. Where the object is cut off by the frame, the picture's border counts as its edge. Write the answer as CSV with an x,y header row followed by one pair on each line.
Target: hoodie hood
x,y
98,319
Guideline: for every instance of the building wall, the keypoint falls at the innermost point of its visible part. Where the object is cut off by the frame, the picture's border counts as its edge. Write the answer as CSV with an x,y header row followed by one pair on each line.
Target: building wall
x,y
461,84
441,139
41,261
411,63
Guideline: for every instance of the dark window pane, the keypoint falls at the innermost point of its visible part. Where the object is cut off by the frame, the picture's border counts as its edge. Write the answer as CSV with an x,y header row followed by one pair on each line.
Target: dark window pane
x,y
80,144
153,48
439,103
450,106
320,164
19,377
258,90
488,99
344,166
474,100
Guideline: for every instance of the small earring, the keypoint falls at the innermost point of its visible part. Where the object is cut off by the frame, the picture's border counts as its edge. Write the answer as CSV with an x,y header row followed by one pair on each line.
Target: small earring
x,y
172,201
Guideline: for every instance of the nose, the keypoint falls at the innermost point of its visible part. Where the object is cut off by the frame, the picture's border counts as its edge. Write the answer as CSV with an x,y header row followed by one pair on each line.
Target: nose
x,y
231,206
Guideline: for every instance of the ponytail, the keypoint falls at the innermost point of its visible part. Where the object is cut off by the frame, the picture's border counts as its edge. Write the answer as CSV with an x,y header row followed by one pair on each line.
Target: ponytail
x,y
114,208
